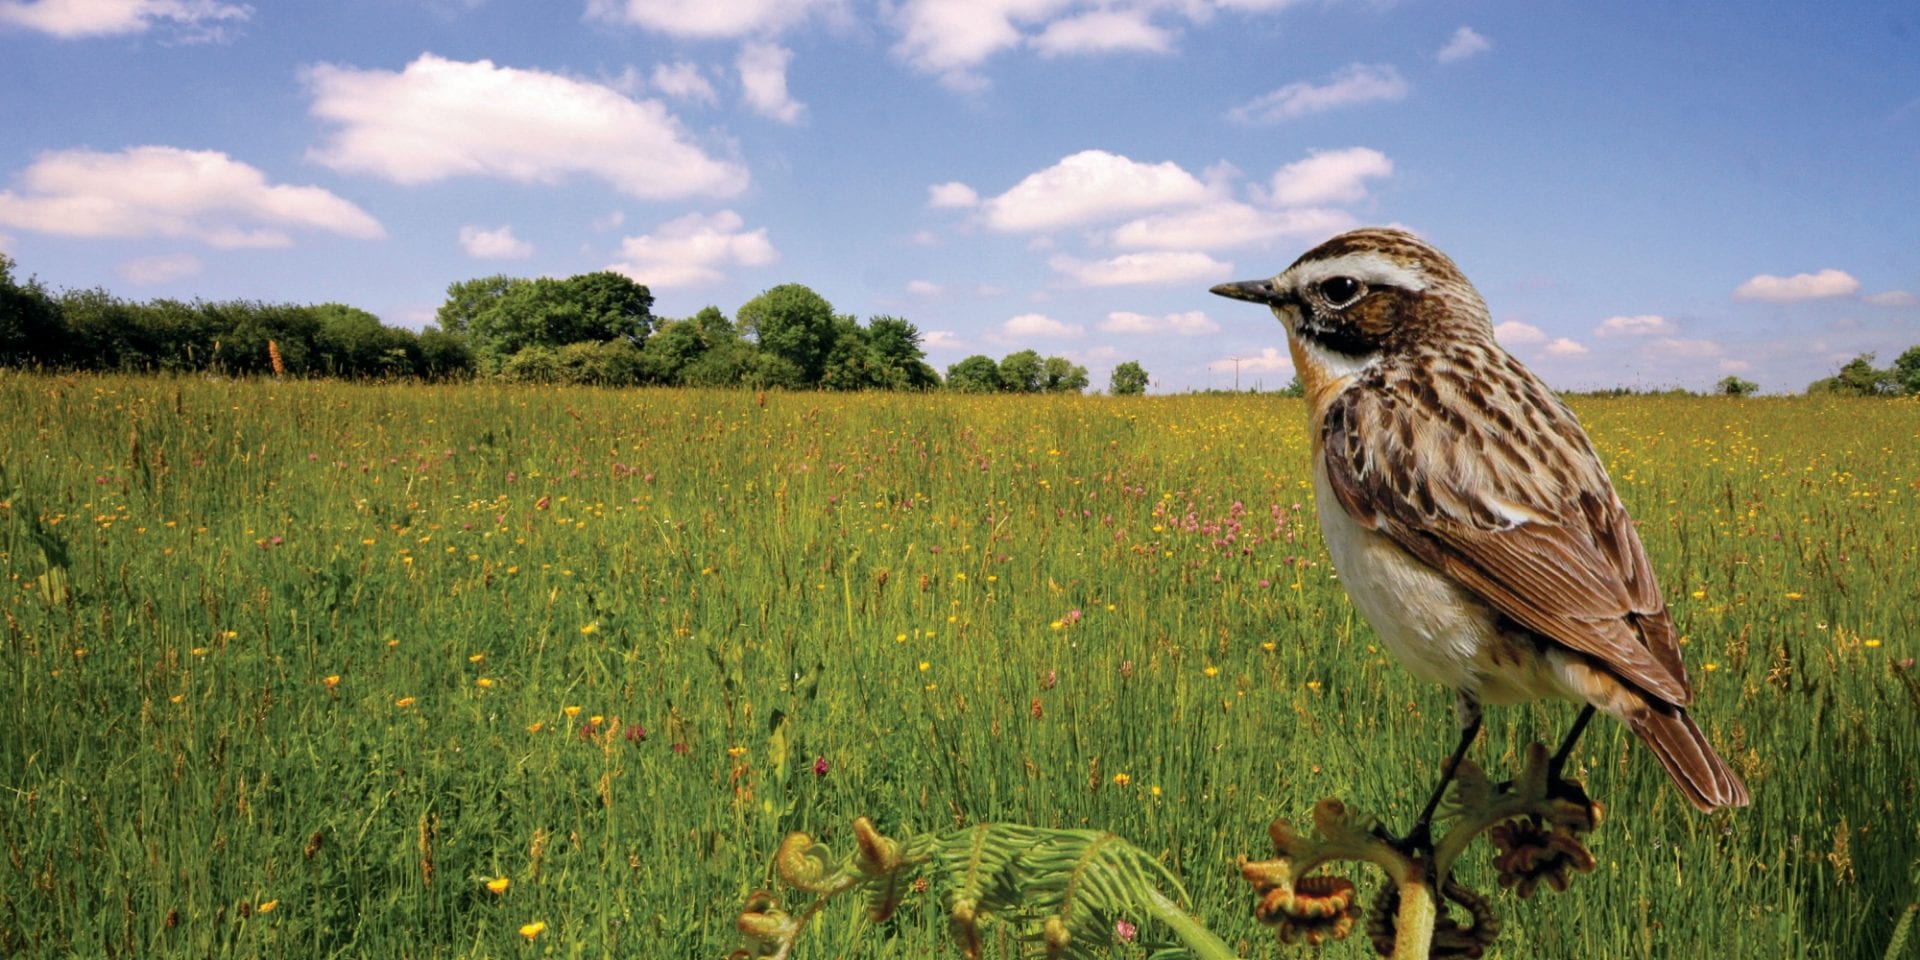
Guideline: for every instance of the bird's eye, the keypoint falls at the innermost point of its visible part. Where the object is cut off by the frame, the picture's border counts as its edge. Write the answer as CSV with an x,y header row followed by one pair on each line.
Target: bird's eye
x,y
1341,291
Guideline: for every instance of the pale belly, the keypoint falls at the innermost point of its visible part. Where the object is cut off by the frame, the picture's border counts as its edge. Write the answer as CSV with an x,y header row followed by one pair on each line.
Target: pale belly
x,y
1436,629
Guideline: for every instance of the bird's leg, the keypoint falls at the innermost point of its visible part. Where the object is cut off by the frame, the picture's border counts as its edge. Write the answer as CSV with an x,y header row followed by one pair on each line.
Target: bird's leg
x,y
1559,761
1420,838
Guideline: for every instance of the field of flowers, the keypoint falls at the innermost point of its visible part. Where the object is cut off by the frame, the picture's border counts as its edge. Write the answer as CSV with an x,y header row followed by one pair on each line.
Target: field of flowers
x,y
309,669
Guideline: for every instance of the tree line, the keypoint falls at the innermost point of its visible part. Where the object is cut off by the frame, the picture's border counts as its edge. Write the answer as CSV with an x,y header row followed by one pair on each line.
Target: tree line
x,y
593,328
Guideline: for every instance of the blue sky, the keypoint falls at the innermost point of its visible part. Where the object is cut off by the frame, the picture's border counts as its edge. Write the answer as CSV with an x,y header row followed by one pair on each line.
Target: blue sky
x,y
1647,194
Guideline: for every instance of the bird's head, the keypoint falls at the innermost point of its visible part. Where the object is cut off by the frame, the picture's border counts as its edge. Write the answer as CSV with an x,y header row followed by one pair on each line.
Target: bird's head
x,y
1367,293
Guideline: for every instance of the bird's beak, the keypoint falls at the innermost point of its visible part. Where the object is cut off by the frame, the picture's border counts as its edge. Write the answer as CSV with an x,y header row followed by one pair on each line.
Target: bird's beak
x,y
1252,291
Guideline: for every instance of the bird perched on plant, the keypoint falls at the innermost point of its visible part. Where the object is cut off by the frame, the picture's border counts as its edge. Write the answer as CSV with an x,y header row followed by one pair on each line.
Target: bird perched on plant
x,y
1466,511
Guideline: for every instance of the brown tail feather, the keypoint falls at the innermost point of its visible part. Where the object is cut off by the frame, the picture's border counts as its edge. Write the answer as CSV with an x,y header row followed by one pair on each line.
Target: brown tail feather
x,y
1690,760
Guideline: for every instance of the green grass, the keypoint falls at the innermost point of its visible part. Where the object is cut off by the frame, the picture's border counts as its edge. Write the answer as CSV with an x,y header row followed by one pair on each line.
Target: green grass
x,y
971,608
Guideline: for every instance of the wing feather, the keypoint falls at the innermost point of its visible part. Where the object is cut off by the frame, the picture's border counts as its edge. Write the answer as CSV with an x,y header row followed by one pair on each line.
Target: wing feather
x,y
1549,546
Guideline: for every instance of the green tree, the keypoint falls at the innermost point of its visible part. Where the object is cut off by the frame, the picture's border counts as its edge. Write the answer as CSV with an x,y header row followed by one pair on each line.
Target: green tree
x,y
1129,380
1063,376
975,374
612,307
351,342
1857,378
1731,386
32,330
443,356
896,348
1022,372
468,299
794,324
1906,371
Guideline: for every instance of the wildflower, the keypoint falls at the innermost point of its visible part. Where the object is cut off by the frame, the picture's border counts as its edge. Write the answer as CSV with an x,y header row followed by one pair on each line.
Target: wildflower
x,y
596,720
477,658
1870,644
1211,671
536,726
736,751
820,766
1035,708
570,711
267,907
1049,681
1711,667
1269,646
1155,790
925,666
590,628
498,885
635,733
483,682
534,929
1790,595
1122,779
332,680
1124,931
405,702
177,698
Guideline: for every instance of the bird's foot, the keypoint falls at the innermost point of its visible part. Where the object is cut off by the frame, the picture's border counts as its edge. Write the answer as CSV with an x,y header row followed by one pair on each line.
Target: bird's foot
x,y
1415,844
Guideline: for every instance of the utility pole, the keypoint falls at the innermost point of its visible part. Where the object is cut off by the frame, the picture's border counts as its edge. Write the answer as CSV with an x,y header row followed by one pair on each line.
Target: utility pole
x,y
1236,373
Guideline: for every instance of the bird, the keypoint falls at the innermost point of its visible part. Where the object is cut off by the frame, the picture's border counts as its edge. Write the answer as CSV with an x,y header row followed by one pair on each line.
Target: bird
x,y
1468,515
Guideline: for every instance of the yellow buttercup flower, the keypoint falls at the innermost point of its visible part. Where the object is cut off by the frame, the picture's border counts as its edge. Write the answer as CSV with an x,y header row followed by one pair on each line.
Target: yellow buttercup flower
x,y
498,885
534,929
404,702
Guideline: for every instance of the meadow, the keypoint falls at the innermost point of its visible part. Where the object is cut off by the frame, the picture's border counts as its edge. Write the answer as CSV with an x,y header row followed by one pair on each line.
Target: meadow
x,y
307,669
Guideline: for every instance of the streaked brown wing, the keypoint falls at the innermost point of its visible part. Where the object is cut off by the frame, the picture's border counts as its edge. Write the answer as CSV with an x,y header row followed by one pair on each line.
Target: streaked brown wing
x,y
1528,523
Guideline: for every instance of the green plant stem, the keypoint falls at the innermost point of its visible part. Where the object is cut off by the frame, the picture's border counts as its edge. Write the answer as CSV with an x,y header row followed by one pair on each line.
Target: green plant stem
x,y
1200,941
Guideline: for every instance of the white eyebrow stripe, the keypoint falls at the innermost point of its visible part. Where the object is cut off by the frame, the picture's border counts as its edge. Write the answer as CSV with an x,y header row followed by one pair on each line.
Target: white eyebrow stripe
x,y
1371,269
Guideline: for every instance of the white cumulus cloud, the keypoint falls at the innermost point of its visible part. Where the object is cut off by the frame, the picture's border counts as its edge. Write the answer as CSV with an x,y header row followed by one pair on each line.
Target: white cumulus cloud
x,y
1564,347
1103,31
951,37
441,118
1039,325
497,244
1166,266
73,19
1464,43
155,191
1268,360
1358,83
684,81
1329,176
1893,298
1225,224
763,76
1089,186
924,288
147,271
1681,349
951,196
1642,325
1515,332
693,250
1192,323
708,19
1824,285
